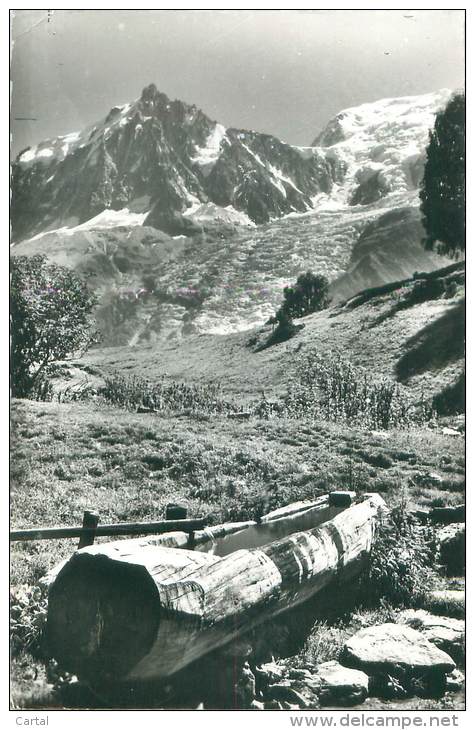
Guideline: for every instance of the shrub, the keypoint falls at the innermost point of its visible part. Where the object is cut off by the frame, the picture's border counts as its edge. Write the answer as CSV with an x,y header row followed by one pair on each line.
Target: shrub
x,y
50,319
309,294
27,619
400,569
165,396
336,390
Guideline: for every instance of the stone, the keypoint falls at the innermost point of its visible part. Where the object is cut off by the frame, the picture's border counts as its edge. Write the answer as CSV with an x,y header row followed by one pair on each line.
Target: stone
x,y
448,515
272,705
446,633
299,674
238,648
395,649
387,687
285,692
269,672
450,431
256,705
245,690
340,684
452,548
454,681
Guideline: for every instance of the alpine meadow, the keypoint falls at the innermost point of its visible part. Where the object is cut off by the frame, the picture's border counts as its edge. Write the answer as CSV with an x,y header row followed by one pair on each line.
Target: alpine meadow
x,y
237,363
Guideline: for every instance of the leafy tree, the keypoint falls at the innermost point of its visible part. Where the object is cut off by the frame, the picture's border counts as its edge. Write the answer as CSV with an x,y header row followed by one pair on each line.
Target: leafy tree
x,y
443,187
309,294
50,317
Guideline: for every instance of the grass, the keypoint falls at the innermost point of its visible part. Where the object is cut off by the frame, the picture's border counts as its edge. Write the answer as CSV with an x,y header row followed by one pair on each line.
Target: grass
x,y
70,456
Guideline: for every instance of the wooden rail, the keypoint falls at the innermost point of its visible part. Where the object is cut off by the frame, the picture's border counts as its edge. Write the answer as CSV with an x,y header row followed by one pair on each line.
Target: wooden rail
x,y
125,528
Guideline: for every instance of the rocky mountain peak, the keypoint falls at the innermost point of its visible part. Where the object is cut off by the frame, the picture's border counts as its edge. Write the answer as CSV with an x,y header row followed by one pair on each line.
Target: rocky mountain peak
x,y
167,160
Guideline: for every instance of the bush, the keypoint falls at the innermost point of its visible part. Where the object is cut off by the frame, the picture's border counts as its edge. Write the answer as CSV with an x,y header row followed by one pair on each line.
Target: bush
x,y
165,396
401,563
309,294
336,390
50,319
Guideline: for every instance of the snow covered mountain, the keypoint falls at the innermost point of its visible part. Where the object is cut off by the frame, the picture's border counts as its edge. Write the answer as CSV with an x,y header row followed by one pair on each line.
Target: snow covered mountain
x,y
165,163
182,225
155,161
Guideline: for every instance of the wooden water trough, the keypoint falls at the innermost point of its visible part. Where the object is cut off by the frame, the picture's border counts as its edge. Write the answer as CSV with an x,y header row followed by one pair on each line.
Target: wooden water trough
x,y
142,609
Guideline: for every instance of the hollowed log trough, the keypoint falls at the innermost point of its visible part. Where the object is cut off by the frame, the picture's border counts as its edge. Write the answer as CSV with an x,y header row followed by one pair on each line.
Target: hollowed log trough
x,y
140,610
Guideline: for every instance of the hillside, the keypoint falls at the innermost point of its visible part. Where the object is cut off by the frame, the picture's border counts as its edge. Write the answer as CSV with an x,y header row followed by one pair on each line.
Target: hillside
x,y
411,332
389,248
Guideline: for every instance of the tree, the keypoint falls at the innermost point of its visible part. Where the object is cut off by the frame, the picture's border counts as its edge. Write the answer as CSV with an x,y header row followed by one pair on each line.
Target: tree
x,y
443,187
309,294
50,318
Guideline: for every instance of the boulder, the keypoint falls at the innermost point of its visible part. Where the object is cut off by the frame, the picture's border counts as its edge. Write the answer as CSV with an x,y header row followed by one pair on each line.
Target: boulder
x,y
395,650
340,685
272,705
269,673
256,705
446,633
452,548
455,681
285,692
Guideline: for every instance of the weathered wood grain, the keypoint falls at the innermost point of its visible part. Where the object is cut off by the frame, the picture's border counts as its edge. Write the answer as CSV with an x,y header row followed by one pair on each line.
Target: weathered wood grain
x,y
143,609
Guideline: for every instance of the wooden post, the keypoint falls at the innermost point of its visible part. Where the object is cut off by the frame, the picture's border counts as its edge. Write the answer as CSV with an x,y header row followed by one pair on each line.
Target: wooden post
x,y
89,522
136,610
179,512
175,512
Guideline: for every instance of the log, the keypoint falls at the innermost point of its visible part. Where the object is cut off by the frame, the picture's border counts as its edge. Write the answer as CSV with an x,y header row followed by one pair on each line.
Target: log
x,y
139,610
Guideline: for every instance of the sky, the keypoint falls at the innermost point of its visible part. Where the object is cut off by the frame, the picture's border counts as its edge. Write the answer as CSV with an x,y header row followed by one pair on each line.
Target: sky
x,y
284,72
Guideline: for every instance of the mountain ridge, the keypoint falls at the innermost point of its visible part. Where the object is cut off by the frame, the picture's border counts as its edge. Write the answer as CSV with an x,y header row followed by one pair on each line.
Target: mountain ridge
x,y
197,265
157,160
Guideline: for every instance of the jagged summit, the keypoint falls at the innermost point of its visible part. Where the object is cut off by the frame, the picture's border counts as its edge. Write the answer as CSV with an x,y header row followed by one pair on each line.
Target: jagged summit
x,y
162,160
166,164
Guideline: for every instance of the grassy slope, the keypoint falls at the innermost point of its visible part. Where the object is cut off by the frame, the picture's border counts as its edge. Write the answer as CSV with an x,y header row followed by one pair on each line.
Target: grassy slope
x,y
67,457
421,345
127,466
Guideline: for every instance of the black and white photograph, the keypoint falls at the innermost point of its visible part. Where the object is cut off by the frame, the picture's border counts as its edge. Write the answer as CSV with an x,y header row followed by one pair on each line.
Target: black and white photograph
x,y
237,363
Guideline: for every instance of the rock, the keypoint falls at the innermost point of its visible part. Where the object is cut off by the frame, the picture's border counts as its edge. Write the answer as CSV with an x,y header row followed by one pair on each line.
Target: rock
x,y
387,687
269,672
238,648
299,674
446,633
341,499
284,692
450,431
340,684
397,650
454,681
256,705
272,705
452,548
245,690
446,515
